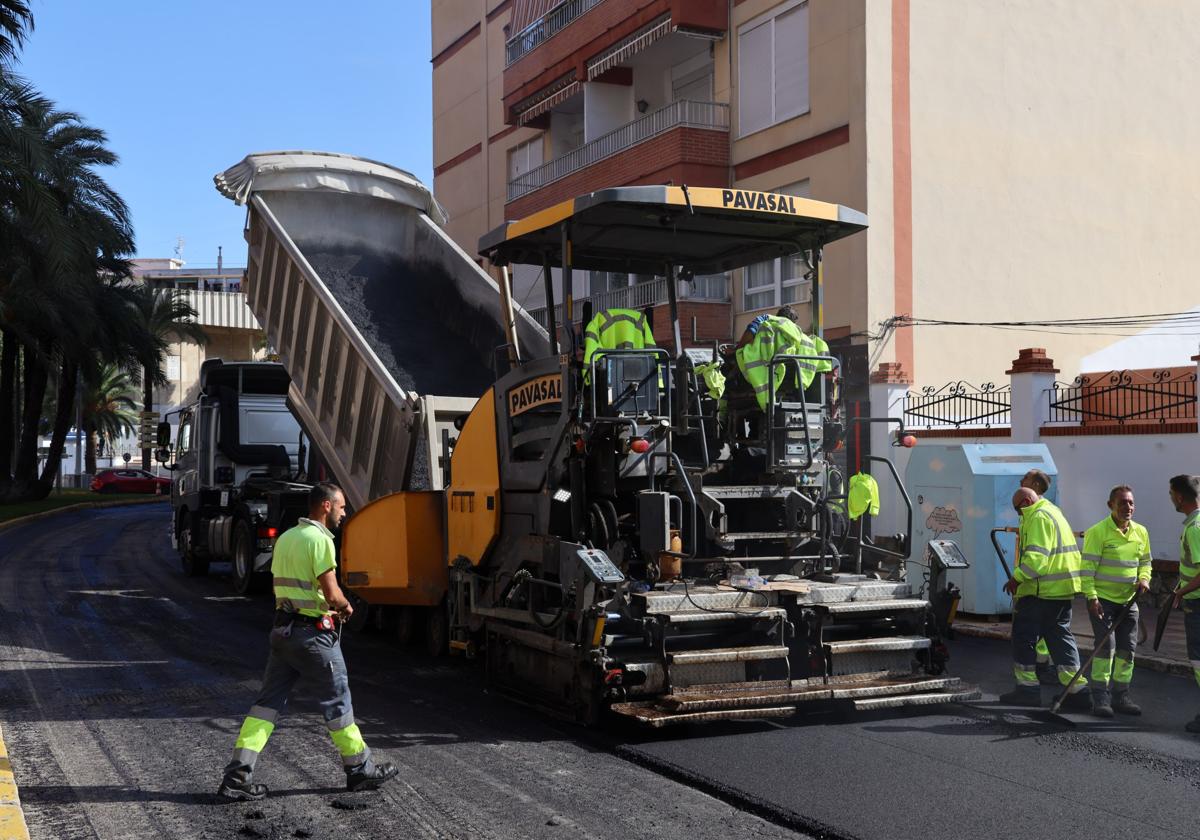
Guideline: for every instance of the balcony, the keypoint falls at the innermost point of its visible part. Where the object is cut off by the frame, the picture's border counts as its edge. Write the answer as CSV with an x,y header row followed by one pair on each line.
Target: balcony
x,y
545,27
684,113
220,309
712,288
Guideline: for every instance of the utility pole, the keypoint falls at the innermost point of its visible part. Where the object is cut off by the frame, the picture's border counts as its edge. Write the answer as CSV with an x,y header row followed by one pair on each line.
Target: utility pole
x,y
78,429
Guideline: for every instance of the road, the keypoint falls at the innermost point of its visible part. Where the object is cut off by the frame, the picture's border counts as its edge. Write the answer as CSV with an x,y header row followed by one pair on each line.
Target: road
x,y
122,685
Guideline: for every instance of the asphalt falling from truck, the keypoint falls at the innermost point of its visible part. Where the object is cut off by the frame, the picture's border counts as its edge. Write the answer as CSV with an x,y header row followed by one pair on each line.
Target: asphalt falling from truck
x,y
413,317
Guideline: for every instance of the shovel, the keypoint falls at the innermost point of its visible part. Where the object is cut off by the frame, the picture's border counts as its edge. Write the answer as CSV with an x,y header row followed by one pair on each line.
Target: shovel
x,y
1051,715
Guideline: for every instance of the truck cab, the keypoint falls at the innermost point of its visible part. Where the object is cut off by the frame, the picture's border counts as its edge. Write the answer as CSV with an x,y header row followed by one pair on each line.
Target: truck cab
x,y
239,460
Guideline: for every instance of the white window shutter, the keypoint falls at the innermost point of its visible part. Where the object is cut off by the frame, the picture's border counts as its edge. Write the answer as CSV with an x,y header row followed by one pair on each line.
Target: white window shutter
x,y
791,63
754,78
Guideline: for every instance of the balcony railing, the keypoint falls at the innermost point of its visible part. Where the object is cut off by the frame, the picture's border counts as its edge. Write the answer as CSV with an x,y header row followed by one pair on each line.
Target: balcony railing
x,y
544,27
684,112
711,288
220,309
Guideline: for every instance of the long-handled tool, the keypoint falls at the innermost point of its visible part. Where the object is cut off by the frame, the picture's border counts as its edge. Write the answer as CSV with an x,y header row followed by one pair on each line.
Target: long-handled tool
x,y
1052,714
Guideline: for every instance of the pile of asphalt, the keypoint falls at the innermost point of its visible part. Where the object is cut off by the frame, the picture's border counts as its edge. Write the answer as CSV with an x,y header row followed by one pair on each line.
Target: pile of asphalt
x,y
411,314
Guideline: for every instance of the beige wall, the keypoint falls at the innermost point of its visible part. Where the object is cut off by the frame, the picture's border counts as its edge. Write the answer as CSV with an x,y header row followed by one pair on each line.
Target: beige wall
x,y
226,344
467,110
837,84
1054,168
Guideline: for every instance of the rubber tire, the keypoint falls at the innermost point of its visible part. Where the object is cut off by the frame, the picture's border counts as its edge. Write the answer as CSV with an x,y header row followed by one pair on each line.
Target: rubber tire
x,y
437,630
408,621
190,561
246,581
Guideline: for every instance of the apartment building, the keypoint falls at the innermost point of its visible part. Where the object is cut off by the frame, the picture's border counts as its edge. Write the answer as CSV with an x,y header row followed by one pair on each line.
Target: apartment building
x,y
1019,161
221,309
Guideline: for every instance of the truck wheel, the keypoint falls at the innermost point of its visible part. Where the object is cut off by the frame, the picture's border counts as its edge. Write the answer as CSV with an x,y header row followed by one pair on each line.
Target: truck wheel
x,y
246,581
193,564
437,630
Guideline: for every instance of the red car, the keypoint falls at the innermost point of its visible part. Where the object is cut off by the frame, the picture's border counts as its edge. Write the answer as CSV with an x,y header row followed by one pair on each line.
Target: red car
x,y
130,481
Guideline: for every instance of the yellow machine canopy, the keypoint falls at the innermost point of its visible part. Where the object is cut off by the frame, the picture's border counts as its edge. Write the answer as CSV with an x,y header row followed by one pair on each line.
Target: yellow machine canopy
x,y
705,230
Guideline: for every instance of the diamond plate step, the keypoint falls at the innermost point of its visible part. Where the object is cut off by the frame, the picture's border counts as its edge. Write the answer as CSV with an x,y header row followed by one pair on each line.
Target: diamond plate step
x,y
879,645
746,491
876,590
738,654
734,614
865,607
930,699
887,688
738,536
697,597
646,712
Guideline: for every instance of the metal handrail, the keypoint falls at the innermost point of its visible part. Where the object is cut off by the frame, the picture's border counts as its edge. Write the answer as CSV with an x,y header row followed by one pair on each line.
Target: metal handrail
x,y
637,296
545,27
680,113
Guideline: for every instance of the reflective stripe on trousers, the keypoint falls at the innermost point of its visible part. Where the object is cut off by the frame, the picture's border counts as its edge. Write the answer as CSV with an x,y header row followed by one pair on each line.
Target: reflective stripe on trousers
x,y
301,651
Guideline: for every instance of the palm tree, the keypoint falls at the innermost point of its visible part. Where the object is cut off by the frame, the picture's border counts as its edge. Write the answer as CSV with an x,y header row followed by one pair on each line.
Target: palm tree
x,y
109,410
161,314
16,22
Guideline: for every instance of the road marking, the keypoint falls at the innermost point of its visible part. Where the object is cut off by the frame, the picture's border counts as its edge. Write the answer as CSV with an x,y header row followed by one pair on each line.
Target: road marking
x,y
12,818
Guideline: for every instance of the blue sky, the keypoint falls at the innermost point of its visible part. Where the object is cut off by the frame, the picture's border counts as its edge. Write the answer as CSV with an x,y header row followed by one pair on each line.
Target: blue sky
x,y
186,88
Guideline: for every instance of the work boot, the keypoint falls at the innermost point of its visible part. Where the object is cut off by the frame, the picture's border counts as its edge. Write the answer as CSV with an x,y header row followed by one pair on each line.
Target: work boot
x,y
1047,674
236,791
1081,701
1101,707
1022,696
1193,725
1124,705
369,780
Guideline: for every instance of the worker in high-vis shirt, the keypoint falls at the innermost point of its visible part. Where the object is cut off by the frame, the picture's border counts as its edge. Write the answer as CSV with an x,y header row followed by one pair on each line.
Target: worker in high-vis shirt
x,y
1046,578
1116,556
1039,482
1184,491
615,329
766,337
306,645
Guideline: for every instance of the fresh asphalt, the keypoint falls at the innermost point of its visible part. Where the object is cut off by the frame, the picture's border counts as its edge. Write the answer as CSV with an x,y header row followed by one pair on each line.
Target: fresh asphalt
x,y
122,684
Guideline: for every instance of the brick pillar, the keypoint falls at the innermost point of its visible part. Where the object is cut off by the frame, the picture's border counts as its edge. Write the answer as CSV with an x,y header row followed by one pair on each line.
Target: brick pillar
x,y
1031,375
889,384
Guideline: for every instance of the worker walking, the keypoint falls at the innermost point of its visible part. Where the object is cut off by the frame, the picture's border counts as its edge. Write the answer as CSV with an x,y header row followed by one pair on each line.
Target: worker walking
x,y
1048,575
1185,489
306,644
1116,557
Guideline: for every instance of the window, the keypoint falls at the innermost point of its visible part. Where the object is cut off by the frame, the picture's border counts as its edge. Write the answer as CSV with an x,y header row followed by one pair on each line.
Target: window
x,y
606,281
524,157
773,68
779,281
183,442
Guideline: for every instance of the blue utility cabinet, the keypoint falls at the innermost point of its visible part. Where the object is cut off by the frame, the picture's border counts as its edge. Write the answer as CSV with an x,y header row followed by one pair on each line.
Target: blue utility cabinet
x,y
960,492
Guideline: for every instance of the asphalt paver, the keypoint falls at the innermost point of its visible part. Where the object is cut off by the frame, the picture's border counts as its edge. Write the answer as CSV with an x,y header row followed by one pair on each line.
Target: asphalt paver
x,y
123,684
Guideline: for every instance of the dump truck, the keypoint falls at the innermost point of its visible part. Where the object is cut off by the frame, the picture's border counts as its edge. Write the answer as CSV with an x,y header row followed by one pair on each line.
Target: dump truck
x,y
609,536
238,460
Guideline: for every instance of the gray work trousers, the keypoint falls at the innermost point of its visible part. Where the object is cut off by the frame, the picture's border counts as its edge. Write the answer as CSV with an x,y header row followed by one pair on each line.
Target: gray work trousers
x,y
1035,618
1114,663
301,652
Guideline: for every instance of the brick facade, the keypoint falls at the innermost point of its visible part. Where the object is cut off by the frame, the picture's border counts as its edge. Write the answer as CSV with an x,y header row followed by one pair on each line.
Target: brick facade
x,y
592,33
697,157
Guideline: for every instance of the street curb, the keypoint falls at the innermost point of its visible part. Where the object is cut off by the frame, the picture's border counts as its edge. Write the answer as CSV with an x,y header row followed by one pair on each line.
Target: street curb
x,y
12,818
46,514
1143,660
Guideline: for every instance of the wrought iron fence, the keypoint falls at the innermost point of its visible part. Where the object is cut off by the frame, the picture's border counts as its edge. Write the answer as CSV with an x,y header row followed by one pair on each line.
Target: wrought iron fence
x,y
959,404
544,27
1123,396
683,112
